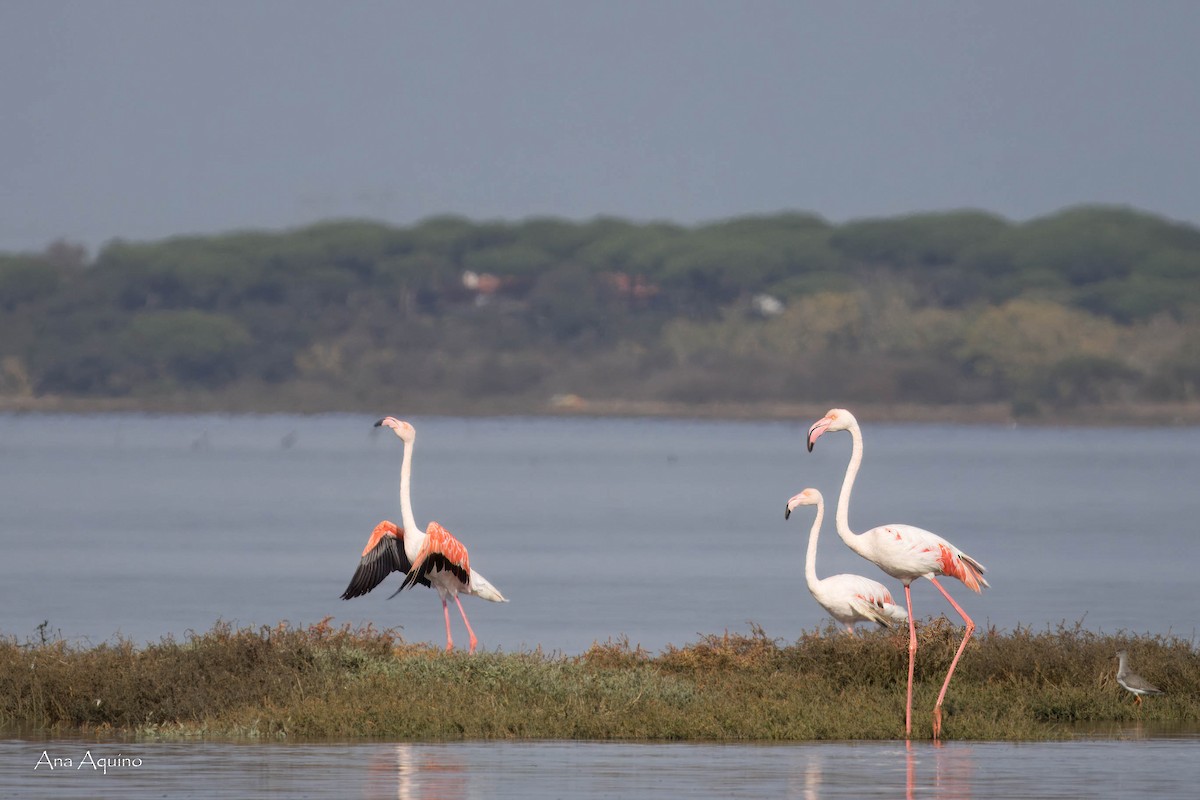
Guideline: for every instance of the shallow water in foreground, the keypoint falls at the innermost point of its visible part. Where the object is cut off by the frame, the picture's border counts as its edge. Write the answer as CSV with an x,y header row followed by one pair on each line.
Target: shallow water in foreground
x,y
1115,763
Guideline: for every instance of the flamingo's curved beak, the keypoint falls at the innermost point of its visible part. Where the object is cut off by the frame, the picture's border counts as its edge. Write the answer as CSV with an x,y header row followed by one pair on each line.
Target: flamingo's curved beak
x,y
819,427
792,502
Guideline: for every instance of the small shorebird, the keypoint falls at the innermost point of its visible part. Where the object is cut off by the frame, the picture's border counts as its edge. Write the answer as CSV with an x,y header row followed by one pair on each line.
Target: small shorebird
x,y
1132,681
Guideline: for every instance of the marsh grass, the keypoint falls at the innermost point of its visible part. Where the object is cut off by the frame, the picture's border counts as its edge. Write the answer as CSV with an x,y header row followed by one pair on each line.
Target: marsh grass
x,y
329,682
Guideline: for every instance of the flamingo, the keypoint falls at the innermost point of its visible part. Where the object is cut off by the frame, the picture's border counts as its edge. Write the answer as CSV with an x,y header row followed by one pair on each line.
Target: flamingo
x,y
432,558
1133,682
904,552
847,598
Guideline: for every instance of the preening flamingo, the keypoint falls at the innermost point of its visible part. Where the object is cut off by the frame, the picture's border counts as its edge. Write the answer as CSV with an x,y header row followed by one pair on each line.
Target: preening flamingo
x,y
848,598
1133,682
431,558
904,552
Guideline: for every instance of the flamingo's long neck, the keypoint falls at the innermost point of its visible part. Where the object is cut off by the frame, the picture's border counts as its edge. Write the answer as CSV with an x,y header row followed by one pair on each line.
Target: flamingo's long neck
x,y
810,560
413,536
842,517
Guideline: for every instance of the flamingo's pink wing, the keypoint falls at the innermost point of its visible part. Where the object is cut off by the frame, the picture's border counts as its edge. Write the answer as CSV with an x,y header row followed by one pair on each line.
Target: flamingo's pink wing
x,y
439,551
383,555
938,555
958,564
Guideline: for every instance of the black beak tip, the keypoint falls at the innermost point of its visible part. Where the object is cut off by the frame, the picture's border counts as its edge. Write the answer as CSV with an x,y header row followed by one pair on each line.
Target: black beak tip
x,y
810,444
787,512
379,422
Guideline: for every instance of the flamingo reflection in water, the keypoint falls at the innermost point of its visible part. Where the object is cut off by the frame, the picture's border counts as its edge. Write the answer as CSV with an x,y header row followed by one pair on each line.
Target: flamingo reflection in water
x,y
412,772
953,769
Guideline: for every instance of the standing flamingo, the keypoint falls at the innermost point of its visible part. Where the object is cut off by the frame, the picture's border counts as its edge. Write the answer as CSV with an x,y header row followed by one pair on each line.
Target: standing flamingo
x,y
847,598
904,552
433,558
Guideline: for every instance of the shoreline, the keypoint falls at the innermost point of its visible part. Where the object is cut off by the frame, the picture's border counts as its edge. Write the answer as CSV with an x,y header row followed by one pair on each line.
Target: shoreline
x,y
1100,416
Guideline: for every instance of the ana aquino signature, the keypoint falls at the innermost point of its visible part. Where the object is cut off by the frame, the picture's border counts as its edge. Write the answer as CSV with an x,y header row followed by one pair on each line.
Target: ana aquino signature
x,y
100,764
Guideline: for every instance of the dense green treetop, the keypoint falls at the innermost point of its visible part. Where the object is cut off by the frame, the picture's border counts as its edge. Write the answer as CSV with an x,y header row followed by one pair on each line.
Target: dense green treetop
x,y
1085,305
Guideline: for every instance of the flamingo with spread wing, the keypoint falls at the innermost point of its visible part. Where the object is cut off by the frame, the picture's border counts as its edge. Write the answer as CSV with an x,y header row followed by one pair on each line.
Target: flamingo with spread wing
x,y
429,558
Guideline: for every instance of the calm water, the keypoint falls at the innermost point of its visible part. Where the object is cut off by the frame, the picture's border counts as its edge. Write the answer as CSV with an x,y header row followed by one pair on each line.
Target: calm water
x,y
1126,768
595,529
656,530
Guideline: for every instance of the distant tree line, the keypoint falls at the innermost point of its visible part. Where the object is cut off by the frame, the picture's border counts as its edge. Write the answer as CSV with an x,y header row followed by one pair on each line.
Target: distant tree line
x,y
1089,305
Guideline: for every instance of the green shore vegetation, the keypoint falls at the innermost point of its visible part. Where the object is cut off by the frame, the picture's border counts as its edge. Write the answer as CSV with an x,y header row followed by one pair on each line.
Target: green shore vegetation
x,y
324,682
1056,318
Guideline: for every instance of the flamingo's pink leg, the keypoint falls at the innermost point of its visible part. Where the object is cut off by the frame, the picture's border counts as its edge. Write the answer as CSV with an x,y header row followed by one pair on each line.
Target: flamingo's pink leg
x,y
466,622
912,660
449,639
937,709
908,761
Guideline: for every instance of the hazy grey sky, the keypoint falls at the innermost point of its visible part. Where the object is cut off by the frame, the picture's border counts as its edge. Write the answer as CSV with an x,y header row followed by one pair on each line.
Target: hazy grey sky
x,y
142,119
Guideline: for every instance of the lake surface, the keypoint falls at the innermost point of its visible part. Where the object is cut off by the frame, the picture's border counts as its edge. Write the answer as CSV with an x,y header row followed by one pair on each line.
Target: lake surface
x,y
659,530
1132,766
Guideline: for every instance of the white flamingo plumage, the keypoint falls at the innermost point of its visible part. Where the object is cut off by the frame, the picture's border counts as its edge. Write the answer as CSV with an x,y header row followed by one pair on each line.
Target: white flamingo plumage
x,y
904,552
848,598
431,558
